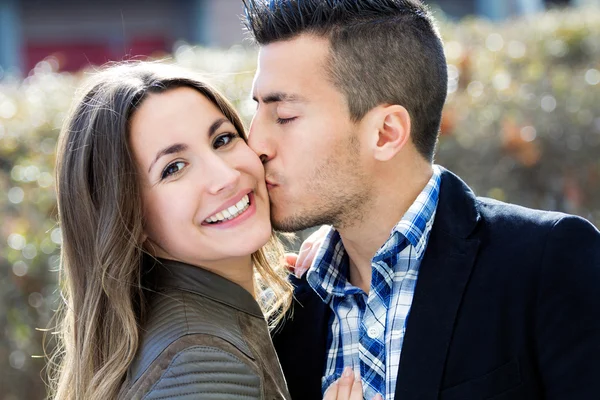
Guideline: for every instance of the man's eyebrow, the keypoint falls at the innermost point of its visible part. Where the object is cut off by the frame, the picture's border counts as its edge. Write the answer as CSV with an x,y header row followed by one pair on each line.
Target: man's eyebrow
x,y
180,147
280,97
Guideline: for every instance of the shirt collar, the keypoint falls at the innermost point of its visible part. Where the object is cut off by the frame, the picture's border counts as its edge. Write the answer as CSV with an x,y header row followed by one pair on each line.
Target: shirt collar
x,y
328,273
417,221
329,270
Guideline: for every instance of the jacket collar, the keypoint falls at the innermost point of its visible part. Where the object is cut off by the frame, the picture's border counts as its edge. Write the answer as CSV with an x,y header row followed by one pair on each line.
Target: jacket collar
x,y
457,206
162,274
443,277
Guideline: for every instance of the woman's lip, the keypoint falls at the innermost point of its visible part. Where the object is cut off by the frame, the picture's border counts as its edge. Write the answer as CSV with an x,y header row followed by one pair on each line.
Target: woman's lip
x,y
250,211
231,202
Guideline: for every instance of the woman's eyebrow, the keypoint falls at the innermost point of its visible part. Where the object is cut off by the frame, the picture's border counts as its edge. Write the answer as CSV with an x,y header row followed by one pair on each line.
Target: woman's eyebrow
x,y
172,149
216,125
180,147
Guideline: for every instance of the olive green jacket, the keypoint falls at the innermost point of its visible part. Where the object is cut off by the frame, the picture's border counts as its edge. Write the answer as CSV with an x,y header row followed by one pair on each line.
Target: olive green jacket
x,y
204,338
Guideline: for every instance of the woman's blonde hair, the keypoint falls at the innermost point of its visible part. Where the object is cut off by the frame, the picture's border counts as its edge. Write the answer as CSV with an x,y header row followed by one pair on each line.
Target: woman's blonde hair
x,y
100,215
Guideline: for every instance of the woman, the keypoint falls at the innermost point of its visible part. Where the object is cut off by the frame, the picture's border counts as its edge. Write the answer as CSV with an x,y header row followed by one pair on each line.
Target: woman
x,y
166,244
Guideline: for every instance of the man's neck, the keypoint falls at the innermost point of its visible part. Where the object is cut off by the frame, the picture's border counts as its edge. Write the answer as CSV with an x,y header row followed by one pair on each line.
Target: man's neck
x,y
364,238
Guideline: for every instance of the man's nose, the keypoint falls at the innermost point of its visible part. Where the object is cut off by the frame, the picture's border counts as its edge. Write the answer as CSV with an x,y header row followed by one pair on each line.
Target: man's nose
x,y
260,140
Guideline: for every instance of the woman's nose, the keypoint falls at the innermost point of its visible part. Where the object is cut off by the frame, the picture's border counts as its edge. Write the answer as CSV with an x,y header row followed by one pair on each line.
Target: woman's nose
x,y
224,177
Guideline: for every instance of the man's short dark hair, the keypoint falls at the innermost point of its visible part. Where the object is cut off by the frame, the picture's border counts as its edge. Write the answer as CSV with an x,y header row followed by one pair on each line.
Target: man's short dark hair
x,y
382,52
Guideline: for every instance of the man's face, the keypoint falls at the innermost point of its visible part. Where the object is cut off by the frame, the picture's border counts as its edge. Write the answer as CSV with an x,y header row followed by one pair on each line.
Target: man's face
x,y
302,131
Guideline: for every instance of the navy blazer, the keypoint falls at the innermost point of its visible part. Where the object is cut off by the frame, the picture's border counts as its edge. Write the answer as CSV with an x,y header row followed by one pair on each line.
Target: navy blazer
x,y
507,306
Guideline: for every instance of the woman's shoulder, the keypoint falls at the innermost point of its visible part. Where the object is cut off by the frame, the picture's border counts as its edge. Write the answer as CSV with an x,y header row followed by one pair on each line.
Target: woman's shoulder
x,y
174,315
198,364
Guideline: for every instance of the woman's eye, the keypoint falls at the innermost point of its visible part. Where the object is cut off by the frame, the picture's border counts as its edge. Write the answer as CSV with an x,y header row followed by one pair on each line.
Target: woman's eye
x,y
172,169
283,121
225,139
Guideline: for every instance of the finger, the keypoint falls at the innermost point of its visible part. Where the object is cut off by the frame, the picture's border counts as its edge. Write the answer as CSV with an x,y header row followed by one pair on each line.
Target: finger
x,y
345,384
309,249
303,253
357,390
299,272
303,263
307,244
317,236
314,237
322,231
378,397
332,392
290,260
306,258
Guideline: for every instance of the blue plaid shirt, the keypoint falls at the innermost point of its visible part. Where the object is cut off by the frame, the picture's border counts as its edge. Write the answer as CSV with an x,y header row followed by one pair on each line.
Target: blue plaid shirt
x,y
366,331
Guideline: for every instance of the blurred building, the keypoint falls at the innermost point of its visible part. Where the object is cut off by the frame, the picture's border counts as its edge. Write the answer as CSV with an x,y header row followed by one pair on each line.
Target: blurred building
x,y
82,32
502,9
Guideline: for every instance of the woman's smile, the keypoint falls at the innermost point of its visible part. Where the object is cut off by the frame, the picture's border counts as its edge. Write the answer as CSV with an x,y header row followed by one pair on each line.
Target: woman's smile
x,y
233,215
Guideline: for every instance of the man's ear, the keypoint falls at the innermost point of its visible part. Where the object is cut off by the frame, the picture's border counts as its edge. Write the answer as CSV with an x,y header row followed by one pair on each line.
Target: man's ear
x,y
392,126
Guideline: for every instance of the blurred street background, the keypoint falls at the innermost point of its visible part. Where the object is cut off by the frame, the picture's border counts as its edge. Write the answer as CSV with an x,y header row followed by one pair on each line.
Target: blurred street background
x,y
521,124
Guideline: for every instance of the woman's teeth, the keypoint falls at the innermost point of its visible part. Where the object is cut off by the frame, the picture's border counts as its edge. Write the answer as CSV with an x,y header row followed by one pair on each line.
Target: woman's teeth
x,y
231,212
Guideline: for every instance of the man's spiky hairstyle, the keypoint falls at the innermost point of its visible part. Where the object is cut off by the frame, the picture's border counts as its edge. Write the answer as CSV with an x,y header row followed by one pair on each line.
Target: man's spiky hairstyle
x,y
382,52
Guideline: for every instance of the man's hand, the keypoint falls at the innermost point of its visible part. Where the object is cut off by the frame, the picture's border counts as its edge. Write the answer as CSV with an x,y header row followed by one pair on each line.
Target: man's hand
x,y
347,387
300,263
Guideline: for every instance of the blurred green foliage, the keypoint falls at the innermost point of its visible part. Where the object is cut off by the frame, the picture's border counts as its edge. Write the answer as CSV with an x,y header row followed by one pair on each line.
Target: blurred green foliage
x,y
522,121
522,124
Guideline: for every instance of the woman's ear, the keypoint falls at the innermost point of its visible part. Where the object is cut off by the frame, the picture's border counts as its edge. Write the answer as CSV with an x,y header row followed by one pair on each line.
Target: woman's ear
x,y
391,131
146,243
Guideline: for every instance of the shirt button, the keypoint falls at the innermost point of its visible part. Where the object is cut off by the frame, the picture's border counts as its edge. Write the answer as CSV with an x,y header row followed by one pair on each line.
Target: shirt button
x,y
373,332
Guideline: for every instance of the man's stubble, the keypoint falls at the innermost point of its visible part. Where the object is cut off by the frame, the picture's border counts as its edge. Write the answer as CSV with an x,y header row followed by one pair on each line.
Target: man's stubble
x,y
340,190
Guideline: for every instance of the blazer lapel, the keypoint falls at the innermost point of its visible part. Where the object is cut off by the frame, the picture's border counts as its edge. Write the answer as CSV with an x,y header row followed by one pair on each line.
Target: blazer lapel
x,y
443,276
301,344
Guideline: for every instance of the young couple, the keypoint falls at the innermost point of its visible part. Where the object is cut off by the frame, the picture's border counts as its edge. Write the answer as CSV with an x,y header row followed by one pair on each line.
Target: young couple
x,y
170,267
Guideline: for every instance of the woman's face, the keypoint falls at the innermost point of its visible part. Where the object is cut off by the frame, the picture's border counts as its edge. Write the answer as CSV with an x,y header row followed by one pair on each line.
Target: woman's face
x,y
203,189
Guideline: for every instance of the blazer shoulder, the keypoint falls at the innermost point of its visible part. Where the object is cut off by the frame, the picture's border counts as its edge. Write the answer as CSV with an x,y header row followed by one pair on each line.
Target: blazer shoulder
x,y
547,233
568,305
573,246
494,211
199,366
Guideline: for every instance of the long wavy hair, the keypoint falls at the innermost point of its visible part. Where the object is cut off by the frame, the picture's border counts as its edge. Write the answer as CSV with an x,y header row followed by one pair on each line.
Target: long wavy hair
x,y
100,216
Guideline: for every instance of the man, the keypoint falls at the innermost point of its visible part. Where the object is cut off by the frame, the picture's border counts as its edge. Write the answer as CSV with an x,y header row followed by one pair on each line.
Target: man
x,y
424,289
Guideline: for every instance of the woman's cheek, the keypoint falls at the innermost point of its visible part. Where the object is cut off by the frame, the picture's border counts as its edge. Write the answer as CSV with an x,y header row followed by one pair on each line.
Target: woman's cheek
x,y
254,164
